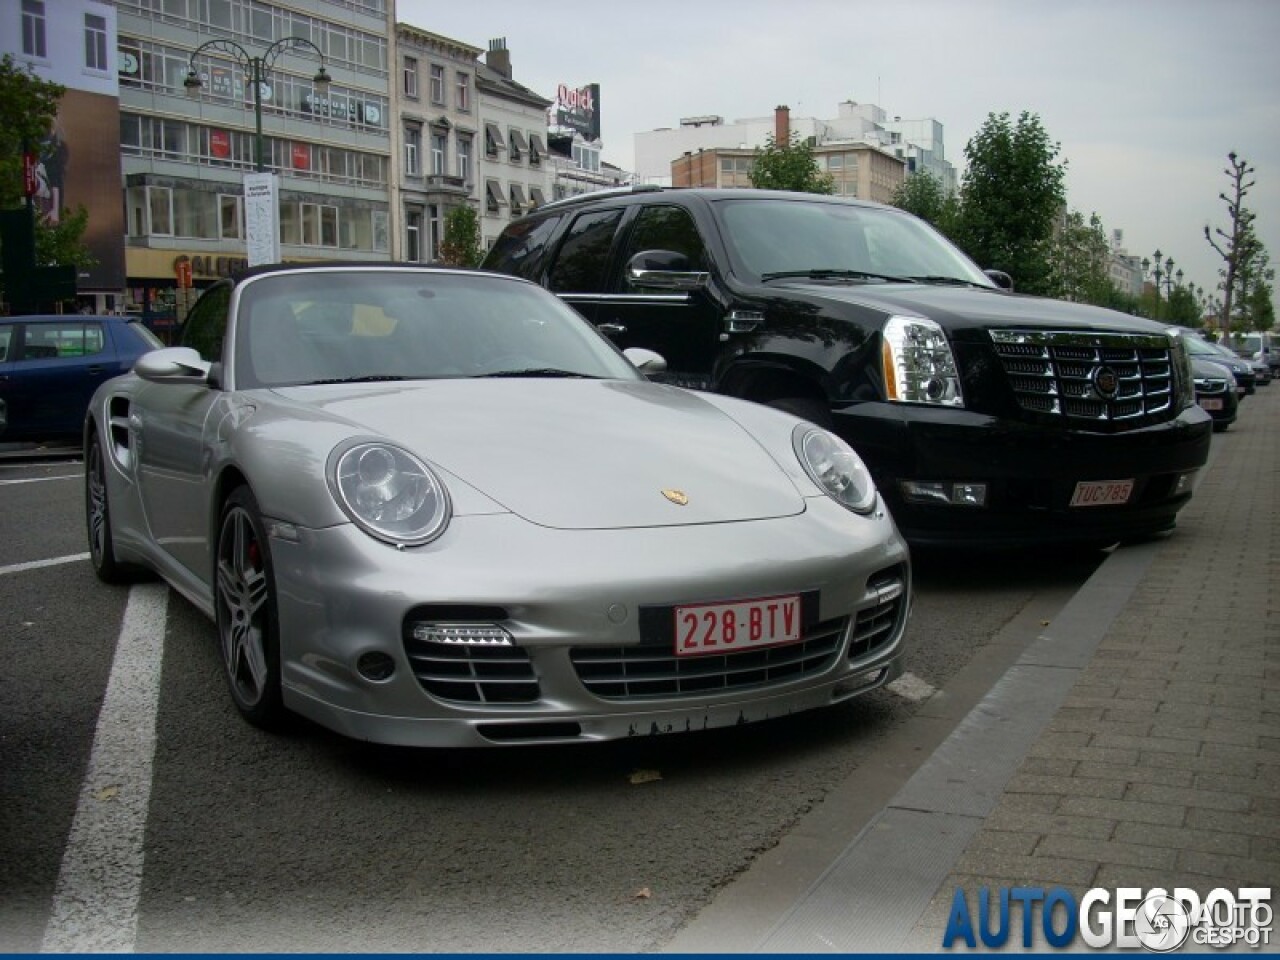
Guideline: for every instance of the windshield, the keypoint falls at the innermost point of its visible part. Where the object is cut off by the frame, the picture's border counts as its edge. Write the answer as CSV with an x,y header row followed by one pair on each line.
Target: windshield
x,y
353,325
841,242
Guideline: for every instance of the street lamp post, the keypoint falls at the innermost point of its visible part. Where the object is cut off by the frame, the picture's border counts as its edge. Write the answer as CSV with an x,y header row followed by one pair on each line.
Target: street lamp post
x,y
258,69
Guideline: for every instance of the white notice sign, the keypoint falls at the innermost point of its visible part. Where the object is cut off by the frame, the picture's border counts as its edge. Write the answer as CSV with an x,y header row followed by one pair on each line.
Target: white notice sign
x,y
261,218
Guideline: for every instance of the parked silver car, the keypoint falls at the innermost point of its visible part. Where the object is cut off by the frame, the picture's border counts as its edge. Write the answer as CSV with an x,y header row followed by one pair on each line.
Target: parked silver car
x,y
436,507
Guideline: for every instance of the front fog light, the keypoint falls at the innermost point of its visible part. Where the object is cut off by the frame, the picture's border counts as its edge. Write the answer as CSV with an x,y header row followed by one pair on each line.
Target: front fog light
x,y
1185,482
948,494
376,666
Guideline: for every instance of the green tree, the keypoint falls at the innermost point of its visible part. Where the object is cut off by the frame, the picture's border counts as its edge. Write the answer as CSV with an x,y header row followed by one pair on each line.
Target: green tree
x,y
1012,192
1181,309
922,193
1232,244
27,108
789,166
1081,258
62,242
461,246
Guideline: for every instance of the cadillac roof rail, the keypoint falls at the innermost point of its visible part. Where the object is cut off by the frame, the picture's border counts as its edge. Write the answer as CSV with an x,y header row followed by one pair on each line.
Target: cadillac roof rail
x,y
599,194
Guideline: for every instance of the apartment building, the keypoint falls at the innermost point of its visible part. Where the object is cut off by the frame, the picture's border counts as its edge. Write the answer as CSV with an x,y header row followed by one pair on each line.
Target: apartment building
x,y
856,128
187,145
517,168
856,168
437,131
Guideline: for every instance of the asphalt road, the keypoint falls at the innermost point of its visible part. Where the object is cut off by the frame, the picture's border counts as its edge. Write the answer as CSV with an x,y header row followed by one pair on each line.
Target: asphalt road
x,y
306,841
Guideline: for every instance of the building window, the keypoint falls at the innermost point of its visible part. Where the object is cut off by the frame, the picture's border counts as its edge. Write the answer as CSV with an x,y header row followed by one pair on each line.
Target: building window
x,y
33,42
160,211
412,151
413,236
518,145
231,215
439,149
494,201
437,83
492,141
433,232
95,42
319,225
464,159
464,91
411,77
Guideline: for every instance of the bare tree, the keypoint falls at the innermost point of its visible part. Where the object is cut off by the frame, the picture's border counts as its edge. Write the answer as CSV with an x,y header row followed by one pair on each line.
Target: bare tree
x,y
1234,242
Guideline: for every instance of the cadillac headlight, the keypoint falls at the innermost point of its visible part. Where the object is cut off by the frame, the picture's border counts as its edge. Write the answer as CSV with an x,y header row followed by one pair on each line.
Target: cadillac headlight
x,y
389,493
833,466
1186,391
919,366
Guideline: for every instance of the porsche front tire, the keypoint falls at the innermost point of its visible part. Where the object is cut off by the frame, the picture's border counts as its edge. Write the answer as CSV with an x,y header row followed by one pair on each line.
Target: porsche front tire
x,y
246,611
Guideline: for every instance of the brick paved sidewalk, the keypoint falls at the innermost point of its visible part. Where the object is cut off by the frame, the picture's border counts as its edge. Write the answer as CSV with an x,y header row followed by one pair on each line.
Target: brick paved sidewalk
x,y
1162,767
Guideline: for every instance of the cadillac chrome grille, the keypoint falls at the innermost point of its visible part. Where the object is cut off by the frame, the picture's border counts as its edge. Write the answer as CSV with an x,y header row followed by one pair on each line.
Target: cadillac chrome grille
x,y
1101,377
473,674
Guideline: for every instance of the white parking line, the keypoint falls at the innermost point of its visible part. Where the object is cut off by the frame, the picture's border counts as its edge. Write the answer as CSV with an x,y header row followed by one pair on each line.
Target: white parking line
x,y
912,687
95,903
37,564
63,476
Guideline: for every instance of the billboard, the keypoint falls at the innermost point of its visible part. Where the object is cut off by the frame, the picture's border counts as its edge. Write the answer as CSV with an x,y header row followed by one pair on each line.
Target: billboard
x,y
78,164
579,109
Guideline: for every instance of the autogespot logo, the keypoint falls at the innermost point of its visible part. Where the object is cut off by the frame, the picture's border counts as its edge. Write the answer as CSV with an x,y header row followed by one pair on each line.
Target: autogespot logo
x,y
1127,917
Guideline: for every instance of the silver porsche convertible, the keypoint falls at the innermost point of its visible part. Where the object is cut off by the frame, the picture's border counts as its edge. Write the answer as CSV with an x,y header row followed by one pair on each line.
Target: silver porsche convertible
x,y
435,507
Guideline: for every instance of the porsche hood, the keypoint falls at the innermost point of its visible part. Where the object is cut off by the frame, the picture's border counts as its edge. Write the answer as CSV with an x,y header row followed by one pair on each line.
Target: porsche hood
x,y
575,454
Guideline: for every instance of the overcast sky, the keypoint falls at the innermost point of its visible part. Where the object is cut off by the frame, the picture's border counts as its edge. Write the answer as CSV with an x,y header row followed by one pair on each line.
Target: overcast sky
x,y
1146,98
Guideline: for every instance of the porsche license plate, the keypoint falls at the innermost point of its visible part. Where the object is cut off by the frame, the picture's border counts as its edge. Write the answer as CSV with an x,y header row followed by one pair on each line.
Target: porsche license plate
x,y
1211,403
1101,493
726,627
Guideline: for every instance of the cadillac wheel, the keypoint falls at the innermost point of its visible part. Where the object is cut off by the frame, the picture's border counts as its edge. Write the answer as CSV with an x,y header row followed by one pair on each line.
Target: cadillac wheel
x,y
246,611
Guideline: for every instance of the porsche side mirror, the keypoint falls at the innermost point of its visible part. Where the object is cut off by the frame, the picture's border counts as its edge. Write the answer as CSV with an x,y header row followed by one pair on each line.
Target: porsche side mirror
x,y
646,361
664,270
172,365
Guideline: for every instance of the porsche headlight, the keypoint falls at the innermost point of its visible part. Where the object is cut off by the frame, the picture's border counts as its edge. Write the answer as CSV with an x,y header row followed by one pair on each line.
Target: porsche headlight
x,y
834,467
919,366
389,493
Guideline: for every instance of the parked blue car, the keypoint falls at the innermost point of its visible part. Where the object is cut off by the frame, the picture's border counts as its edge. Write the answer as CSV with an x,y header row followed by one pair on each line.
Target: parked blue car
x,y
50,366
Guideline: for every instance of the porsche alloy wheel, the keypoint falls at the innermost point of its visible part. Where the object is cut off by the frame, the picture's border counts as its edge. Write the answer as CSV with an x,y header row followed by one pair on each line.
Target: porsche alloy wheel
x,y
246,611
97,511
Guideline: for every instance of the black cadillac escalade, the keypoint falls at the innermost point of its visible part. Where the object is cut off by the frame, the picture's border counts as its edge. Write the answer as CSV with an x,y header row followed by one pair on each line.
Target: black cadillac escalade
x,y
985,417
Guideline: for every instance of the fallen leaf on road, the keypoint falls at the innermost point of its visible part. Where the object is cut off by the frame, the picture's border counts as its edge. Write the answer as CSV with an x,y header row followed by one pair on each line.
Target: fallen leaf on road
x,y
107,793
642,894
644,776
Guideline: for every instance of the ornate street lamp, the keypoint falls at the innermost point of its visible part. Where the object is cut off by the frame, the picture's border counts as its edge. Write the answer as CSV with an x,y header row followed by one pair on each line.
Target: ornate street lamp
x,y
258,68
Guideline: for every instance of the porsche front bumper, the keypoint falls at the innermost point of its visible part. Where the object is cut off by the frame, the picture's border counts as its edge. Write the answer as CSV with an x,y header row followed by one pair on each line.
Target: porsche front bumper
x,y
563,596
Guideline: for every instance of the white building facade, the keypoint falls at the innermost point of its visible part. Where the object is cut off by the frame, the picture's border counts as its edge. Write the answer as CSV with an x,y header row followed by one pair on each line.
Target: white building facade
x,y
918,143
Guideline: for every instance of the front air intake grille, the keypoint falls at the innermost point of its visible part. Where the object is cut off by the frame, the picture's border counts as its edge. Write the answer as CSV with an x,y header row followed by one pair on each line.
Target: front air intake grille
x,y
878,623
1121,379
472,674
651,669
